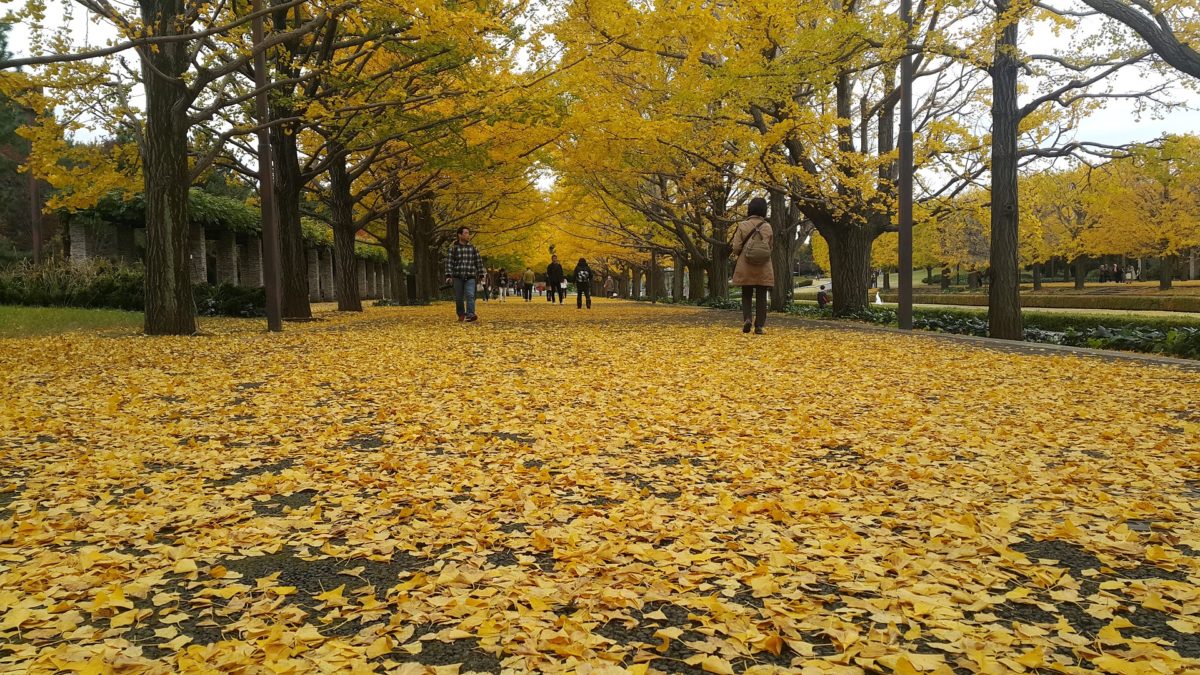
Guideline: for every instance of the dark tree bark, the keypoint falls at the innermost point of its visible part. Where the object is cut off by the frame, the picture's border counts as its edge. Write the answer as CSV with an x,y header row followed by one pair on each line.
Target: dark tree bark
x,y
1156,30
887,279
1166,271
170,309
341,205
718,272
636,291
850,261
623,283
1004,300
421,229
695,269
1080,272
395,264
1037,276
677,277
289,184
784,221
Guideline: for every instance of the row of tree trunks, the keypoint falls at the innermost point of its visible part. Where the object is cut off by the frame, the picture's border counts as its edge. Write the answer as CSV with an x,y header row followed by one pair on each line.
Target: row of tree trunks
x,y
396,278
677,277
341,205
423,235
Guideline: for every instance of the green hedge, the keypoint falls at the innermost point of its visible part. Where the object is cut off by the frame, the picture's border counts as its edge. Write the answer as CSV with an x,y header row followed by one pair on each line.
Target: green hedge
x,y
230,300
1160,303
60,283
96,284
1170,337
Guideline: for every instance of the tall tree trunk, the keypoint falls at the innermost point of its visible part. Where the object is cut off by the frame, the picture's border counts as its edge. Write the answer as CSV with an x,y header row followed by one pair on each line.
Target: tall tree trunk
x,y
783,224
395,264
695,269
1166,271
887,279
1037,276
289,184
1080,266
170,309
718,263
676,277
718,275
928,274
341,205
1004,299
636,291
850,261
623,282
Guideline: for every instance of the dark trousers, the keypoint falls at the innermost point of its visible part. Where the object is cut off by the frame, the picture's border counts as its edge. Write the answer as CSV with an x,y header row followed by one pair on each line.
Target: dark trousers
x,y
528,293
760,311
582,290
562,293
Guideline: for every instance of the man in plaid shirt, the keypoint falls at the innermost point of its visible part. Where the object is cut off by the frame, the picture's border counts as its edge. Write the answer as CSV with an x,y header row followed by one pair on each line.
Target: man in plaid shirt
x,y
463,266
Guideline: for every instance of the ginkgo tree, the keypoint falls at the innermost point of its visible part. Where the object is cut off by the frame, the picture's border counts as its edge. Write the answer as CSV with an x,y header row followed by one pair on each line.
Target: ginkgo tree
x,y
185,49
1151,203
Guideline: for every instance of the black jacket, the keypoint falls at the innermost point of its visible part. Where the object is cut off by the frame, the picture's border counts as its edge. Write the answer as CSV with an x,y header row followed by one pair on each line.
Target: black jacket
x,y
554,274
580,268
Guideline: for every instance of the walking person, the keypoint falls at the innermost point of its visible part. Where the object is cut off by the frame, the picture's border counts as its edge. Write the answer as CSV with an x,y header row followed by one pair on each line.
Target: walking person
x,y
502,284
752,242
556,282
583,283
610,287
463,267
527,284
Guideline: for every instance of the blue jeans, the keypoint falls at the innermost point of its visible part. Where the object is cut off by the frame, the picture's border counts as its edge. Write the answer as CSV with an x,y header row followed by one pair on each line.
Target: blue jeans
x,y
464,289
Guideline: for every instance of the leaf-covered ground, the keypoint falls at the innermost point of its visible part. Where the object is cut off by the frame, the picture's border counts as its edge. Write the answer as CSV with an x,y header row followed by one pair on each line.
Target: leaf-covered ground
x,y
638,488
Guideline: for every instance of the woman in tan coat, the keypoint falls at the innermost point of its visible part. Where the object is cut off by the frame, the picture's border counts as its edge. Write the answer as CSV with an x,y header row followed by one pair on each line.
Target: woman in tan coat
x,y
754,279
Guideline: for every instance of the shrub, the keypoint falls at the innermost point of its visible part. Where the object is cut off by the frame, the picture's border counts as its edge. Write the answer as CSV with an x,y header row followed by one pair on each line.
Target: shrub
x,y
1165,303
63,283
230,300
99,284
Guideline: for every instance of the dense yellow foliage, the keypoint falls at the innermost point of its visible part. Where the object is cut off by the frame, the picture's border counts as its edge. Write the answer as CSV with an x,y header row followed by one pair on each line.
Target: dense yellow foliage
x,y
563,490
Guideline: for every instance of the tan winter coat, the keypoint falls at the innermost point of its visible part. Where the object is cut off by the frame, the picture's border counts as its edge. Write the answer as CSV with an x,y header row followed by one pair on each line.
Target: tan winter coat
x,y
745,274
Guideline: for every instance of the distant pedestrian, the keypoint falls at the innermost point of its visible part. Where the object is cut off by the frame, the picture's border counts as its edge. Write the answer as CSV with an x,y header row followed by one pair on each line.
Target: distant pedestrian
x,y
752,242
556,282
527,284
610,288
463,267
1130,274
822,298
582,276
502,282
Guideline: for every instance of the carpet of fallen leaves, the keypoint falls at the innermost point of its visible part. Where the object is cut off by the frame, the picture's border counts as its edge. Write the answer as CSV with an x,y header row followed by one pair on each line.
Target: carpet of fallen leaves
x,y
631,489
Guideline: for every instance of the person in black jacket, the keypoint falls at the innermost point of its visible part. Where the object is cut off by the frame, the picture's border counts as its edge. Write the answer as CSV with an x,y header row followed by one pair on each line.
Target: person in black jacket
x,y
554,279
582,276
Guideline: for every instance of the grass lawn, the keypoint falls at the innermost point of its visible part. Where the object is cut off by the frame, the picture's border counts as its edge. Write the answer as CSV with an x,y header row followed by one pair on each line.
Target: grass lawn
x,y
18,321
627,489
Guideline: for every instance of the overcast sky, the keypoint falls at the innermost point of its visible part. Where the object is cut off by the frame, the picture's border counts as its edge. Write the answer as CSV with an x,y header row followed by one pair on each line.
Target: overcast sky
x,y
1116,123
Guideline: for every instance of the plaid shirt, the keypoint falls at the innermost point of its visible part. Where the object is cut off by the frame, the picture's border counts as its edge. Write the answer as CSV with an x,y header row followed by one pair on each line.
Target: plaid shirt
x,y
463,261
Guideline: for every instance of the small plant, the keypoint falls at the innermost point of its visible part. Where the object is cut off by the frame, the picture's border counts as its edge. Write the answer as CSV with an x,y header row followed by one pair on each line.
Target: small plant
x,y
230,300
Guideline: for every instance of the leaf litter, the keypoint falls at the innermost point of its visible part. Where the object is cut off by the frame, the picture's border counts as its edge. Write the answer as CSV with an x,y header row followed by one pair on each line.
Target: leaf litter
x,y
634,489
